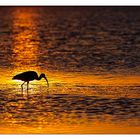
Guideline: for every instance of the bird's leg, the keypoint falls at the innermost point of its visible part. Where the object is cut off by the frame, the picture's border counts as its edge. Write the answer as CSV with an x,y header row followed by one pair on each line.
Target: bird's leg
x,y
27,86
22,87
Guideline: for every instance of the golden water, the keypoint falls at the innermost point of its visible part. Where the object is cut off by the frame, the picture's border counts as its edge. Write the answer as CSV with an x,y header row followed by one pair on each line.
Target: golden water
x,y
94,86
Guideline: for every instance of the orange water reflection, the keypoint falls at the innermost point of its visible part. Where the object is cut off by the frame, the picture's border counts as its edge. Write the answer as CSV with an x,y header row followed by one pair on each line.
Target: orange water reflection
x,y
25,40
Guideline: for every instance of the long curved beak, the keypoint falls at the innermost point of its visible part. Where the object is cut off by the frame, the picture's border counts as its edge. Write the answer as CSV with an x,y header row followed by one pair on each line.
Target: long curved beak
x,y
46,81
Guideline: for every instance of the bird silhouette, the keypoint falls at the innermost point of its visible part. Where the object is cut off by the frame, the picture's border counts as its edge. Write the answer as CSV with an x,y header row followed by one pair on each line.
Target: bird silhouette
x,y
29,76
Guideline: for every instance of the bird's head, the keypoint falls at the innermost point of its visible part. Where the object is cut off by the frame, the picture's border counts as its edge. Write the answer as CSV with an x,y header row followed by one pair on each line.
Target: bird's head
x,y
44,76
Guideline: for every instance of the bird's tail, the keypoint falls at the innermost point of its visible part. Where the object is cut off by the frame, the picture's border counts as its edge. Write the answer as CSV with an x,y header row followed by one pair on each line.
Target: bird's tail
x,y
15,77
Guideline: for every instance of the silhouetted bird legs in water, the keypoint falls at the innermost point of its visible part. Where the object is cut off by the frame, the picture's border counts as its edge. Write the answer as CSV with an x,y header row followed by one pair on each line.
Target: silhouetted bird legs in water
x,y
23,84
27,86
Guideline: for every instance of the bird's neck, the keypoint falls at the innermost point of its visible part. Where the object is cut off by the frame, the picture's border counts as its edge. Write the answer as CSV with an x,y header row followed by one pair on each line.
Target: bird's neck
x,y
39,77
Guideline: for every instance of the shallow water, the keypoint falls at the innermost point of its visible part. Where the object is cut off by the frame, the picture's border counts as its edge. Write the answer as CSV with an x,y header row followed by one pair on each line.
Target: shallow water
x,y
46,112
91,58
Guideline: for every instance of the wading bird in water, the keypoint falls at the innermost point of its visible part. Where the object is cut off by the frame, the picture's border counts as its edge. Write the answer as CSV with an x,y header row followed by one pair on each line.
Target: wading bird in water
x,y
29,76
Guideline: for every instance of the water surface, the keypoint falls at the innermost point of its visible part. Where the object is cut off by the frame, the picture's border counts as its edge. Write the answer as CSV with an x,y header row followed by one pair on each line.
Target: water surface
x,y
91,58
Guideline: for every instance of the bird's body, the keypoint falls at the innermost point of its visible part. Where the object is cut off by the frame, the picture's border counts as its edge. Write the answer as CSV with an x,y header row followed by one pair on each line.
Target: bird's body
x,y
26,76
29,76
